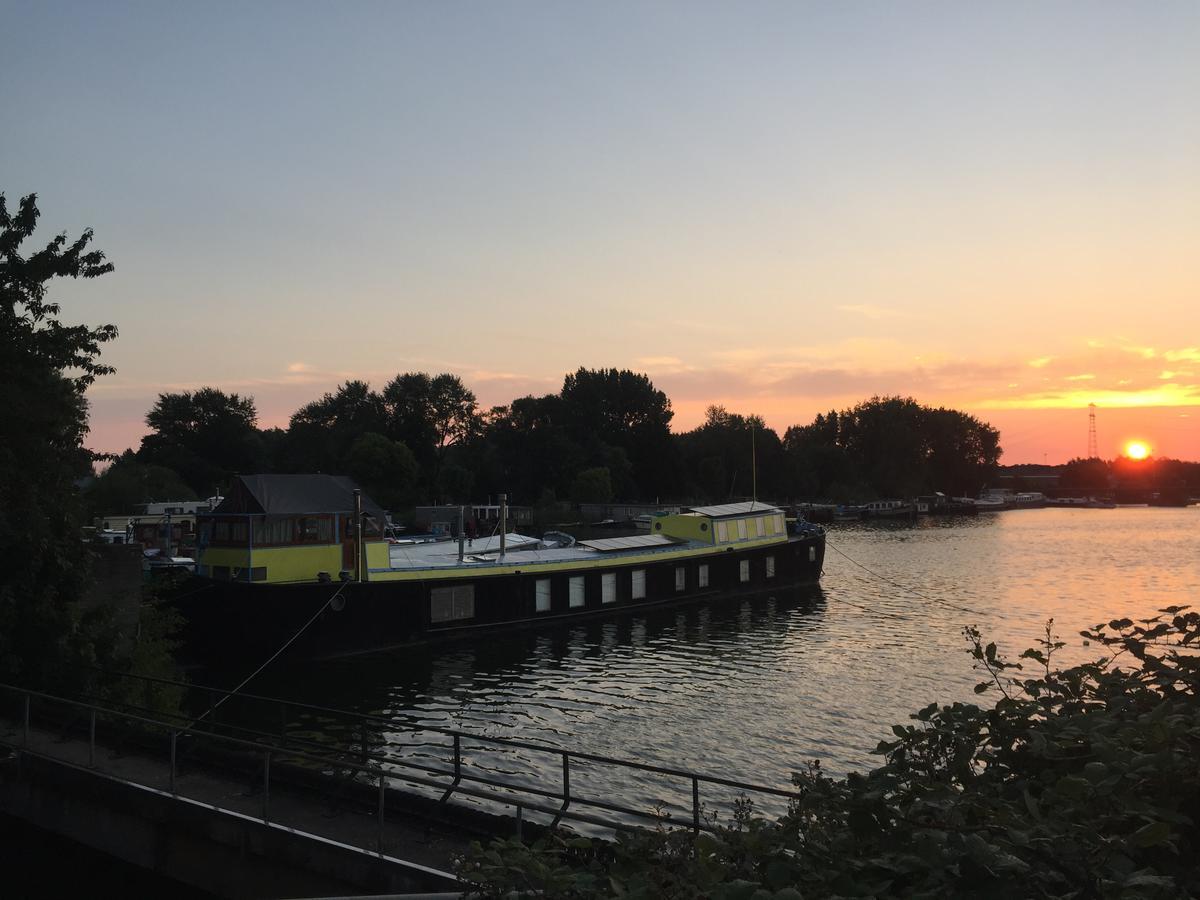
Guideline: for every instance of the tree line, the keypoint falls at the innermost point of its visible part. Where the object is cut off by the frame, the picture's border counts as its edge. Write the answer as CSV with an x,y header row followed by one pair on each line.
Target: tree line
x,y
604,435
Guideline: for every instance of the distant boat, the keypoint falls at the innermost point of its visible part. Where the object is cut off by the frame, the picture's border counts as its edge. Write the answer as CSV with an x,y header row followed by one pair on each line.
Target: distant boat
x,y
888,509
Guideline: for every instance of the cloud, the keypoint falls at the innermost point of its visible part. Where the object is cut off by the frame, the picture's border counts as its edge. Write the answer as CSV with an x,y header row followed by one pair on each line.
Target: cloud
x,y
299,367
659,362
1085,377
1187,354
1041,362
871,311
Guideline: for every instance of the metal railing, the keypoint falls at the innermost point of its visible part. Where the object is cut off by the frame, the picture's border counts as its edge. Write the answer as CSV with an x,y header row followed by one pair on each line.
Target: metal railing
x,y
454,773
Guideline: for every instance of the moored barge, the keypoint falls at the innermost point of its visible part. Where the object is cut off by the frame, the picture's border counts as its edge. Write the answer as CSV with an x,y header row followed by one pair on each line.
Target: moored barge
x,y
282,551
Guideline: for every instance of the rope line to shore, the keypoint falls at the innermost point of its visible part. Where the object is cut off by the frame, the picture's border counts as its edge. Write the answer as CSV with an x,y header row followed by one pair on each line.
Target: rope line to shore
x,y
274,656
902,587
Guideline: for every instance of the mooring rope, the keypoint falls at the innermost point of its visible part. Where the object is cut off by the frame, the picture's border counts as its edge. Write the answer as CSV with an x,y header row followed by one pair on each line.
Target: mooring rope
x,y
902,587
274,656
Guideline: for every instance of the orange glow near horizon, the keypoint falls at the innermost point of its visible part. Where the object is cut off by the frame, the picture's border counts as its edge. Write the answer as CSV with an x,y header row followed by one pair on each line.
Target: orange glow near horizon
x,y
1137,450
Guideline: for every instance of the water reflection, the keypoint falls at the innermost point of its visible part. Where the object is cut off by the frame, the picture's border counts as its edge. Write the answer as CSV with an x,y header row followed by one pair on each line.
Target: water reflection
x,y
753,688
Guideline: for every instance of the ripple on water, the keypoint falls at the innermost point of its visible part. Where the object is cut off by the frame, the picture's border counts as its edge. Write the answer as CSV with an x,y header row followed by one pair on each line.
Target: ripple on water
x,y
754,688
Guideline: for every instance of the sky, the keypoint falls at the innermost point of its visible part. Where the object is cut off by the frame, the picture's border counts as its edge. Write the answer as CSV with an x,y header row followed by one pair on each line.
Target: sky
x,y
782,208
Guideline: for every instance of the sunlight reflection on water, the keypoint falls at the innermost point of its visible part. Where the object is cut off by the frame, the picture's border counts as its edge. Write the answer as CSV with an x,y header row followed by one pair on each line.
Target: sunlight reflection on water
x,y
753,688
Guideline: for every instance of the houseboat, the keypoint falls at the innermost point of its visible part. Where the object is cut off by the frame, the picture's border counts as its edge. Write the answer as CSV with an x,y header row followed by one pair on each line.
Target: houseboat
x,y
283,549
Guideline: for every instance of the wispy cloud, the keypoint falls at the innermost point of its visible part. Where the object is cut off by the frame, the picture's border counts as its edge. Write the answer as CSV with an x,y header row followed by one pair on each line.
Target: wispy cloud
x,y
871,311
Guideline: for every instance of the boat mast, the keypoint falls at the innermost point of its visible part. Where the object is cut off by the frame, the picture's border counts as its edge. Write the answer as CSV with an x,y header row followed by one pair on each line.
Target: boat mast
x,y
753,466
503,523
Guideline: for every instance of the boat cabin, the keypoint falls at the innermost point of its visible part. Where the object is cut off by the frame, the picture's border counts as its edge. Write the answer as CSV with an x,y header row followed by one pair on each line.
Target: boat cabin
x,y
727,523
286,528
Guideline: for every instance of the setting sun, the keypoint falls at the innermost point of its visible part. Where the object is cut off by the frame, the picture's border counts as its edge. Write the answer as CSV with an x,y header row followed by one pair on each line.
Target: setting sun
x,y
1137,450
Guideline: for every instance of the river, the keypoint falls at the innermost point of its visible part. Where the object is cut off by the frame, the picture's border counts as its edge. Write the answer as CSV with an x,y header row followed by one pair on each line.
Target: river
x,y
752,689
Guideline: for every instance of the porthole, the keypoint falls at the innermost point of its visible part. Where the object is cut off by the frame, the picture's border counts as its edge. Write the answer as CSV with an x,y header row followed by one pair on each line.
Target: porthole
x,y
704,526
658,526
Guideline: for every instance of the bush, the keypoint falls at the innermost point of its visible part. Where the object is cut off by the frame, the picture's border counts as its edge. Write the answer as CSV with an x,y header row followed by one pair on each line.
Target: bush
x,y
1081,783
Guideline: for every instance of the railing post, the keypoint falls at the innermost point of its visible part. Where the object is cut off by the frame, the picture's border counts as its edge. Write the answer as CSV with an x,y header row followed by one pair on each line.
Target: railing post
x,y
92,739
174,736
695,804
457,767
566,778
382,788
25,732
266,786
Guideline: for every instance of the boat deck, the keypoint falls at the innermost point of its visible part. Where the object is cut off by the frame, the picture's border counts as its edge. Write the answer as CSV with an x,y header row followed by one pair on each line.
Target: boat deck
x,y
484,552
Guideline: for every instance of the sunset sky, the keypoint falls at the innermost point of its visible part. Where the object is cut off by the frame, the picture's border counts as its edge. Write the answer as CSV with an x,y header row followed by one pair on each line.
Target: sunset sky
x,y
782,208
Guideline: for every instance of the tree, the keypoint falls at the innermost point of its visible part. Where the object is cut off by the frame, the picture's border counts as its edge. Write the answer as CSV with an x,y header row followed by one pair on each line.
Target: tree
x,y
532,450
205,435
623,409
722,454
430,415
891,447
592,486
385,469
127,483
46,366
320,434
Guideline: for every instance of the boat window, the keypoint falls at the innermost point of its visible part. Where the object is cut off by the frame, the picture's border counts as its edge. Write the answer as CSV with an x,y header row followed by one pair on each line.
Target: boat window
x,y
760,526
448,604
638,586
741,529
272,531
313,530
608,587
576,598
770,567
744,570
702,576
542,595
812,554
722,532
779,523
680,578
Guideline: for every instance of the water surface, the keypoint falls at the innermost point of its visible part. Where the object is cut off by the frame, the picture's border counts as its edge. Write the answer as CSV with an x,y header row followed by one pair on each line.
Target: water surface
x,y
753,688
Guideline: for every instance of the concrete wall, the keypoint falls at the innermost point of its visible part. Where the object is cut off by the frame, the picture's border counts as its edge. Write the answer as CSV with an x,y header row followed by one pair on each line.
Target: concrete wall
x,y
229,855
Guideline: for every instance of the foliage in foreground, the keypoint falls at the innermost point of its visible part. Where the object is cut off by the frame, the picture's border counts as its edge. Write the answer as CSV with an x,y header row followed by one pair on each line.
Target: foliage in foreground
x,y
1077,783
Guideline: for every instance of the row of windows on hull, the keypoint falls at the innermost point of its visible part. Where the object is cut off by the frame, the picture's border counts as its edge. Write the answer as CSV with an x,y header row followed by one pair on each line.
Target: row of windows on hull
x,y
451,604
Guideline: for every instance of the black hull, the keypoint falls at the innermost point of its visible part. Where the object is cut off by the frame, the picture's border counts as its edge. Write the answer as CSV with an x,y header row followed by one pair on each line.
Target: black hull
x,y
232,617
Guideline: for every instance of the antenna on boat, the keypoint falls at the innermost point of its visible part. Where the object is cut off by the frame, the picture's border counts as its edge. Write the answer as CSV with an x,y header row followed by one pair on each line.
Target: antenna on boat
x,y
753,466
503,523
460,534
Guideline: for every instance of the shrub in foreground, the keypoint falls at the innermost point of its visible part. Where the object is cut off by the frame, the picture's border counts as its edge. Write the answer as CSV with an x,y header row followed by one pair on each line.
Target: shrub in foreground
x,y
1081,782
